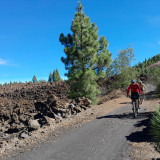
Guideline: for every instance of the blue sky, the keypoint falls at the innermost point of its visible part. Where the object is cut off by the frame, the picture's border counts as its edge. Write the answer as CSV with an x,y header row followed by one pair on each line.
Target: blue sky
x,y
30,29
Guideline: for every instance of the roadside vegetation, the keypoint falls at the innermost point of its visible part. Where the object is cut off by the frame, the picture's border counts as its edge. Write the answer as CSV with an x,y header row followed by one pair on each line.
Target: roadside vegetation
x,y
155,128
150,69
122,72
121,69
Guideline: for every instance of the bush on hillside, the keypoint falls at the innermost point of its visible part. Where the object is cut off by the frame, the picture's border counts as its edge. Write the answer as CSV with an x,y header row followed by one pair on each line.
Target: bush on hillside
x,y
155,77
158,87
155,128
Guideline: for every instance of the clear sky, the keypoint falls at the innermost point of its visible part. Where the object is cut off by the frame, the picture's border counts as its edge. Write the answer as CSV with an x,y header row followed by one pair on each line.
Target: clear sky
x,y
30,29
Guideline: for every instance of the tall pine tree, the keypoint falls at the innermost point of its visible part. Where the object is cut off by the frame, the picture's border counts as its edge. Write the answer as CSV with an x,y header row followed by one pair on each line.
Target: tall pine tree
x,y
87,56
56,76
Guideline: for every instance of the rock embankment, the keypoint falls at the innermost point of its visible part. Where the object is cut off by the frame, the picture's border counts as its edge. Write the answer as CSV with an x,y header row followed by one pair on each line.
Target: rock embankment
x,y
25,108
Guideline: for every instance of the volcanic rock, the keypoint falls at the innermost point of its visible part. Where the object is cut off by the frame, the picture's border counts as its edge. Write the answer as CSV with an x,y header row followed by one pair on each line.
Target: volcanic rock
x,y
34,124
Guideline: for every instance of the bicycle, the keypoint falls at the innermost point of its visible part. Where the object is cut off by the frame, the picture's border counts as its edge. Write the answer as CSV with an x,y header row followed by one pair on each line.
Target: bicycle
x,y
135,105
141,98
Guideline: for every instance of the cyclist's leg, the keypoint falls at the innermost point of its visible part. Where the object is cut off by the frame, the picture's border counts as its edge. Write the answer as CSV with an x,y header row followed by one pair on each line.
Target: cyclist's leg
x,y
132,97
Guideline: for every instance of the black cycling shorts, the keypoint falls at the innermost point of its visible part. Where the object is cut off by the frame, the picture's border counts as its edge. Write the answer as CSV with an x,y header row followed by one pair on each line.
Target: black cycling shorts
x,y
135,95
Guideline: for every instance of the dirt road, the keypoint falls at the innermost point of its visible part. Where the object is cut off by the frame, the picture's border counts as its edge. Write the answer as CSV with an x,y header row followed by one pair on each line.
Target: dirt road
x,y
105,138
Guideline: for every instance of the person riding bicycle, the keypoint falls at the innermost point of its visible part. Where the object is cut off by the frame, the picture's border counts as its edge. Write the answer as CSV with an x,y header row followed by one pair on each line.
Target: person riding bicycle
x,y
143,87
135,90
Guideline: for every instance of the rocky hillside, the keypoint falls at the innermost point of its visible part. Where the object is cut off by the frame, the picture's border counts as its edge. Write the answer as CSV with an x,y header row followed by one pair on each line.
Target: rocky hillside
x,y
27,107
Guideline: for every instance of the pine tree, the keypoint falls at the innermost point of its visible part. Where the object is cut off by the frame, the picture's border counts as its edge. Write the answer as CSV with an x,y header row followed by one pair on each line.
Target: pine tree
x,y
86,56
34,79
50,79
56,76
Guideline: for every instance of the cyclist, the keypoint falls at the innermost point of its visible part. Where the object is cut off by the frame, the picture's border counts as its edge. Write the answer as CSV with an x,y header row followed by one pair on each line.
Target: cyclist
x,y
143,87
135,90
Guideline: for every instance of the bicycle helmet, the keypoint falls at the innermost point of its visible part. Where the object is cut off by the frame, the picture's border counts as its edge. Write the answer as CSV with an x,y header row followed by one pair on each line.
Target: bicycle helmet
x,y
133,81
139,81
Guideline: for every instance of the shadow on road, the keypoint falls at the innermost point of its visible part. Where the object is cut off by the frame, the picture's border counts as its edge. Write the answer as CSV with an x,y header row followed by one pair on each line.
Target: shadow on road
x,y
141,133
152,95
125,103
128,115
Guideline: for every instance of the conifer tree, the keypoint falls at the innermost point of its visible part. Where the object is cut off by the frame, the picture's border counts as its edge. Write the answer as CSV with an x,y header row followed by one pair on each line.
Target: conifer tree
x,y
56,76
50,79
87,56
34,79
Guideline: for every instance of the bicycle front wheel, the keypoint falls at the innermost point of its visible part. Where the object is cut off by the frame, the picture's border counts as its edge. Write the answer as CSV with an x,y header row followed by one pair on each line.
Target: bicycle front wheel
x,y
135,108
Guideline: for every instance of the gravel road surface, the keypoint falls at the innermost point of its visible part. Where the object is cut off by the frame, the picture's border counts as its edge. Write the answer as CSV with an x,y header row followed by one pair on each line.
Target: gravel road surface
x,y
104,138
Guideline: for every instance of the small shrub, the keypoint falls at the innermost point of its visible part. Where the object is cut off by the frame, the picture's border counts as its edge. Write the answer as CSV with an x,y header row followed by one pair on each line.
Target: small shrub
x,y
155,128
158,87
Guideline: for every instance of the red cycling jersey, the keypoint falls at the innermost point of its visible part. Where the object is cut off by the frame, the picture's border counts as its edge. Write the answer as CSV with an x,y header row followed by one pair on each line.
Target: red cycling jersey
x,y
134,88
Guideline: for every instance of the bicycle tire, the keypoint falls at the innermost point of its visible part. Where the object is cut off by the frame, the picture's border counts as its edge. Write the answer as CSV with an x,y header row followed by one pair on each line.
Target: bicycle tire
x,y
134,109
137,106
